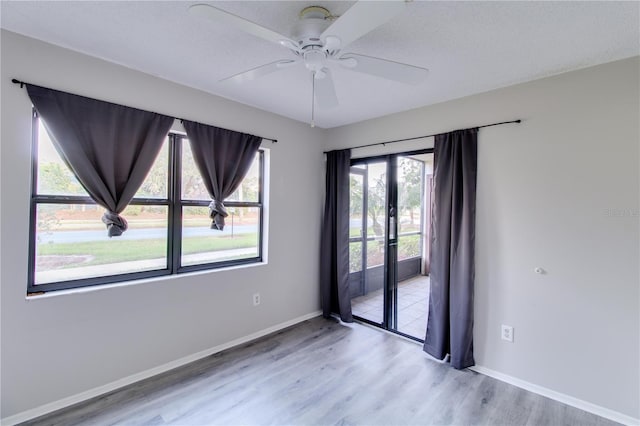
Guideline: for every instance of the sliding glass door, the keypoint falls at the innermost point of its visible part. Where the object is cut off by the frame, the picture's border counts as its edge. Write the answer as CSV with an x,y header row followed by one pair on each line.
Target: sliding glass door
x,y
389,223
367,239
412,285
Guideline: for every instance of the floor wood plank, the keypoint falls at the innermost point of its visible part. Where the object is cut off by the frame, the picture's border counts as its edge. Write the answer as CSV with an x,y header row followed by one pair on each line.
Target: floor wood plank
x,y
321,372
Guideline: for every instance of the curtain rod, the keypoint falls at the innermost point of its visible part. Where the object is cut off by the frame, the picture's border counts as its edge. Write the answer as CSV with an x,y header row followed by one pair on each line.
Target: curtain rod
x,y
22,83
428,136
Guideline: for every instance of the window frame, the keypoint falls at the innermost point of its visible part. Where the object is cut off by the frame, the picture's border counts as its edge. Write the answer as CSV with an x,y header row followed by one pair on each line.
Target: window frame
x,y
173,202
179,203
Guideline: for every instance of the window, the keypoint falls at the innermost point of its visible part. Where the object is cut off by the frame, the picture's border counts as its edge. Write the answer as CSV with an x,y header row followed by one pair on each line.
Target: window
x,y
240,240
169,226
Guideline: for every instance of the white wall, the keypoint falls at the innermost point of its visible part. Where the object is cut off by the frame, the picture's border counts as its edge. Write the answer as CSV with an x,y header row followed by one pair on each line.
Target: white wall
x,y
559,191
59,346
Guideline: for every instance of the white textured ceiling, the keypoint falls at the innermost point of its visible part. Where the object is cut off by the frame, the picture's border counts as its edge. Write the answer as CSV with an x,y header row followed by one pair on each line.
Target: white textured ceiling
x,y
469,47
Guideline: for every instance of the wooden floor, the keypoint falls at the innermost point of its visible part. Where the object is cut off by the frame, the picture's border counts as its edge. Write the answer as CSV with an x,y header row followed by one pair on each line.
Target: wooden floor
x,y
321,372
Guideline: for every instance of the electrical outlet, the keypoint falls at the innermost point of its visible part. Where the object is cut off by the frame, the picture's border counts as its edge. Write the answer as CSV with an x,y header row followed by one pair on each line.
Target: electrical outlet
x,y
256,299
507,333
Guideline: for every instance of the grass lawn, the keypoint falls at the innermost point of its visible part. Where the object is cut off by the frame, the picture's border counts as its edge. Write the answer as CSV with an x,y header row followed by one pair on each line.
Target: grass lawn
x,y
114,251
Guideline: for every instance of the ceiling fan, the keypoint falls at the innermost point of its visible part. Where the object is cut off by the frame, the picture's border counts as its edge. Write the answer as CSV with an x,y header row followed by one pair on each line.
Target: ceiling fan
x,y
318,41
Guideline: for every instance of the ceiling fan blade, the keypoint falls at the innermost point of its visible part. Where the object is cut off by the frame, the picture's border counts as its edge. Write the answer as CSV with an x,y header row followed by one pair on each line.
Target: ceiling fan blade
x,y
326,90
346,62
331,44
396,71
260,71
219,15
361,18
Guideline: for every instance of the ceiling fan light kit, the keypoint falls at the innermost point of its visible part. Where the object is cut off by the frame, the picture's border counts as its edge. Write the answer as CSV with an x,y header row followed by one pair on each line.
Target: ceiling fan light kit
x,y
318,40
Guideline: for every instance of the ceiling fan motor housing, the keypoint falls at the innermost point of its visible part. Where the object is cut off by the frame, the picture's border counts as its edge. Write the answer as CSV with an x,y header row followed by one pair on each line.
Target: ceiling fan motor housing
x,y
306,32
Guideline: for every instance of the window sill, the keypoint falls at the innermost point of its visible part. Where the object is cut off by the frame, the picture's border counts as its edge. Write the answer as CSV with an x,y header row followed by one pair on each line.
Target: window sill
x,y
103,287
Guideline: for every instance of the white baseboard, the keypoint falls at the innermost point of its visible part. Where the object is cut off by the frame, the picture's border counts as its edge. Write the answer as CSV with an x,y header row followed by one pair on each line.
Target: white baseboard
x,y
100,390
560,397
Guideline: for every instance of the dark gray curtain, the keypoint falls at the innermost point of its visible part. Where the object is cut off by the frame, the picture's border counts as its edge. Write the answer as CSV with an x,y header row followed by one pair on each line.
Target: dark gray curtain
x,y
223,158
110,148
334,253
450,323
